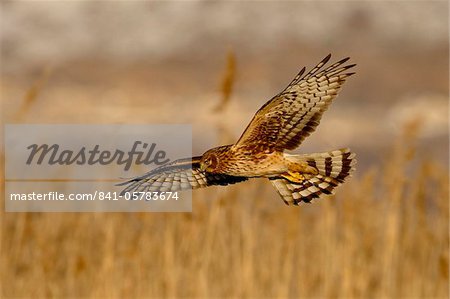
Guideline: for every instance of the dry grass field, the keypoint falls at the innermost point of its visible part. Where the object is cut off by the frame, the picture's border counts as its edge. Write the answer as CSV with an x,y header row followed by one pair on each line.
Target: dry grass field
x,y
384,235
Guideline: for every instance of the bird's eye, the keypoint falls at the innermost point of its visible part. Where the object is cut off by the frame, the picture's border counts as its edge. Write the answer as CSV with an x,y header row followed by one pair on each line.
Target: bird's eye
x,y
209,162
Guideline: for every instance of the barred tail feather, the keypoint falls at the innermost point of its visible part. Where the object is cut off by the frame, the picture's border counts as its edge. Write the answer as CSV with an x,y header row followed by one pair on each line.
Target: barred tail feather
x,y
337,164
333,168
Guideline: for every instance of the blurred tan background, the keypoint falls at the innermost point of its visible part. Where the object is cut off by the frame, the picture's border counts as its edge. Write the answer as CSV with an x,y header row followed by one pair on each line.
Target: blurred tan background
x,y
385,234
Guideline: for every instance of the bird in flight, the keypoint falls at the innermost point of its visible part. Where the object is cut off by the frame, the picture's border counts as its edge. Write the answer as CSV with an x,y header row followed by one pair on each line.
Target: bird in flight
x,y
278,126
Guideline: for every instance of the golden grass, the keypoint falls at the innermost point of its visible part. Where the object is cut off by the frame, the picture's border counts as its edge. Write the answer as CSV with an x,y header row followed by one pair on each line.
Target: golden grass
x,y
32,93
384,235
228,78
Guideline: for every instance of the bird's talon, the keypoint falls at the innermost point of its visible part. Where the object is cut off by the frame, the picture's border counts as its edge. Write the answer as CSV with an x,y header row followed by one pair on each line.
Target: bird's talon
x,y
294,177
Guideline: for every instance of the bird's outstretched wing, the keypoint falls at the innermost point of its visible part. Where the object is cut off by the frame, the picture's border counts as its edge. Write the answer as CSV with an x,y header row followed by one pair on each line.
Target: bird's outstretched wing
x,y
292,115
182,174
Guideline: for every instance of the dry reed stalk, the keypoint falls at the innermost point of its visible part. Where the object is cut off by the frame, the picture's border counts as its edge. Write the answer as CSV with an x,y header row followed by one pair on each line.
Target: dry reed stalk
x,y
227,83
32,94
395,183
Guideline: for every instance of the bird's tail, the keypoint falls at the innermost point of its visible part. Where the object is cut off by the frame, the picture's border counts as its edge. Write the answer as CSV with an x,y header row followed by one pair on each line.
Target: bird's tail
x,y
332,170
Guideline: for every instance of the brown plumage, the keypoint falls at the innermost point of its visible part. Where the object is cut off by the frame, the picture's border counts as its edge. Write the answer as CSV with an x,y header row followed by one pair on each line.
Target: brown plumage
x,y
280,124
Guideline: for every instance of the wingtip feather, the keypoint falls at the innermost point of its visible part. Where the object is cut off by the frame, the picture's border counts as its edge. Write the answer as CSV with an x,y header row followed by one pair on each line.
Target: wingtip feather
x,y
326,59
344,60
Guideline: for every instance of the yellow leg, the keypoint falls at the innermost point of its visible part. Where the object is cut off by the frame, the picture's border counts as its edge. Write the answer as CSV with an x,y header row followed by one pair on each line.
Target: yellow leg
x,y
294,177
302,168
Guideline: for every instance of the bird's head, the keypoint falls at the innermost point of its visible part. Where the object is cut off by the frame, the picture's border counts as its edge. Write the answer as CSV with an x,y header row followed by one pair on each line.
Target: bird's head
x,y
209,161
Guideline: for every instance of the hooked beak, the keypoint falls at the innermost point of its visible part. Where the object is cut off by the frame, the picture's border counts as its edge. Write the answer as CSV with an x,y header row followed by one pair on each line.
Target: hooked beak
x,y
202,167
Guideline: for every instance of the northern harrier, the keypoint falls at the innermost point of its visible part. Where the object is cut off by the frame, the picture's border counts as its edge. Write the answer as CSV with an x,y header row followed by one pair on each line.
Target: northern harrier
x,y
280,125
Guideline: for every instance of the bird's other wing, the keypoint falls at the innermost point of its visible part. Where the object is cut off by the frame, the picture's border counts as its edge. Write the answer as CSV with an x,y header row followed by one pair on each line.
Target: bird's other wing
x,y
292,115
182,174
